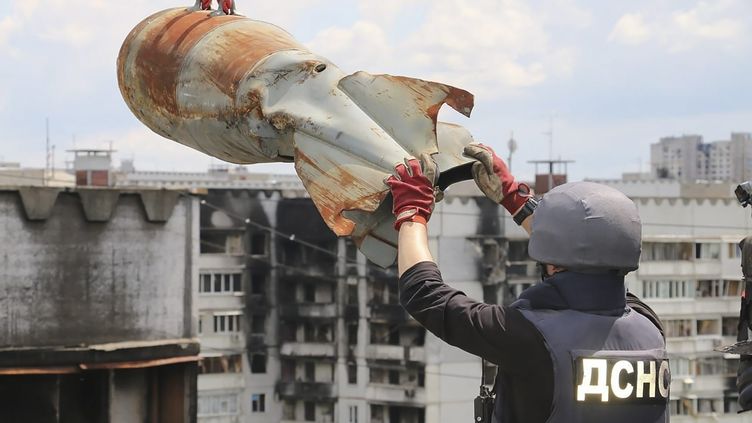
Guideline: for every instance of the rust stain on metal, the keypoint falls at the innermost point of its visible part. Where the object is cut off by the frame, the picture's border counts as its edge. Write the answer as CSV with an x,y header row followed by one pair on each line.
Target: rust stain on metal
x,y
336,193
282,121
456,98
15,371
163,50
233,62
140,364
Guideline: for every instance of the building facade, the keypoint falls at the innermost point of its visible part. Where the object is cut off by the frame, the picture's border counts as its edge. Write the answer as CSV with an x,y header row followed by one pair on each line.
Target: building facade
x,y
297,326
97,305
686,158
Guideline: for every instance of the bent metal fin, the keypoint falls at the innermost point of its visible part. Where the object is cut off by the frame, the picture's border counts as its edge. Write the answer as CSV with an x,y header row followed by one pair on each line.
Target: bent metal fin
x,y
406,108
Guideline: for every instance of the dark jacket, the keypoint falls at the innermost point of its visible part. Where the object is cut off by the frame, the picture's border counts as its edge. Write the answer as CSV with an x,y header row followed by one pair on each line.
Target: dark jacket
x,y
502,334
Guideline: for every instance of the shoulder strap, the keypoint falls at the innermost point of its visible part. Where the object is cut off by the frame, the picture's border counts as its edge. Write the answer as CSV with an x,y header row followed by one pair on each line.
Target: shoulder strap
x,y
636,304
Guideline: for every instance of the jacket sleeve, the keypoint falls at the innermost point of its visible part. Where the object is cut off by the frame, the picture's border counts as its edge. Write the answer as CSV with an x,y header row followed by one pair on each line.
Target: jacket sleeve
x,y
498,334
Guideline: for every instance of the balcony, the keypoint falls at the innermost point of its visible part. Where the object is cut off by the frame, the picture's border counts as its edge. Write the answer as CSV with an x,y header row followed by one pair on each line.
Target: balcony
x,y
376,392
307,349
726,306
396,352
308,311
223,341
220,381
680,268
305,390
228,301
393,313
696,344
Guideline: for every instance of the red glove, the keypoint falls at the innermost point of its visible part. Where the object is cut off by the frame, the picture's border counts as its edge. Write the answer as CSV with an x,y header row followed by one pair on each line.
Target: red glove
x,y
412,191
492,176
227,6
206,4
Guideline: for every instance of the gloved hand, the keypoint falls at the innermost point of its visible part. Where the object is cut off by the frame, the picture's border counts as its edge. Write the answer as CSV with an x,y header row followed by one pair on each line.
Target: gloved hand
x,y
492,176
413,190
744,382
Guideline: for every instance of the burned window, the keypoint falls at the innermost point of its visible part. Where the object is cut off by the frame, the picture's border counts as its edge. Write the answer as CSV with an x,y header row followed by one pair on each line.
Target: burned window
x,y
309,411
352,334
518,251
309,293
376,375
288,410
258,324
352,373
258,283
258,243
287,370
258,363
352,294
310,371
394,377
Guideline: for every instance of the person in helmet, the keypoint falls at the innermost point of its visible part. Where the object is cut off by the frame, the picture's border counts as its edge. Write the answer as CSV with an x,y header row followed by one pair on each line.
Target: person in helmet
x,y
575,347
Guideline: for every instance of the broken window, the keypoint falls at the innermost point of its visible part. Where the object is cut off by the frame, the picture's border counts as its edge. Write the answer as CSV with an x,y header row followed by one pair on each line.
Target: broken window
x,y
352,373
288,370
394,377
258,363
258,324
310,371
309,411
258,283
222,364
352,294
309,332
258,243
288,410
309,293
376,375
352,334
234,245
518,251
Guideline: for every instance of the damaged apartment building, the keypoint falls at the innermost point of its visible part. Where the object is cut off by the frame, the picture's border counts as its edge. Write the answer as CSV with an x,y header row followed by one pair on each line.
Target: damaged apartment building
x,y
297,326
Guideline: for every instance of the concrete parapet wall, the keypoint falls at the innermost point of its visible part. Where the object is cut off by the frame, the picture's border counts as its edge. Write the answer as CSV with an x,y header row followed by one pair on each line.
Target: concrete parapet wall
x,y
95,266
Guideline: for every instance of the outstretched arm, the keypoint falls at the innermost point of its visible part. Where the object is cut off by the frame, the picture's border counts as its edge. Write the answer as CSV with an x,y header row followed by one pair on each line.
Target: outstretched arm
x,y
493,177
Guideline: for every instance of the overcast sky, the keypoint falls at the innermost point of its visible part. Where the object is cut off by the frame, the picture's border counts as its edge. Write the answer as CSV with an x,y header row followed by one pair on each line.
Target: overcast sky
x,y
615,78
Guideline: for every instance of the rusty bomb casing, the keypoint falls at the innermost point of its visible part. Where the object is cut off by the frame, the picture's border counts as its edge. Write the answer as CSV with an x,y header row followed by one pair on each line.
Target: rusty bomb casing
x,y
245,91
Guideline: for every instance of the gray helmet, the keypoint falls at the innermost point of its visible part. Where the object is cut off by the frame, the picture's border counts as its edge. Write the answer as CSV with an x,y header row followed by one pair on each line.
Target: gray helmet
x,y
587,227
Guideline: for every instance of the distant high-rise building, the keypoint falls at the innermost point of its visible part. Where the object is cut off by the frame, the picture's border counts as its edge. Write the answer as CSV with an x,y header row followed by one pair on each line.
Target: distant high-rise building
x,y
688,159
